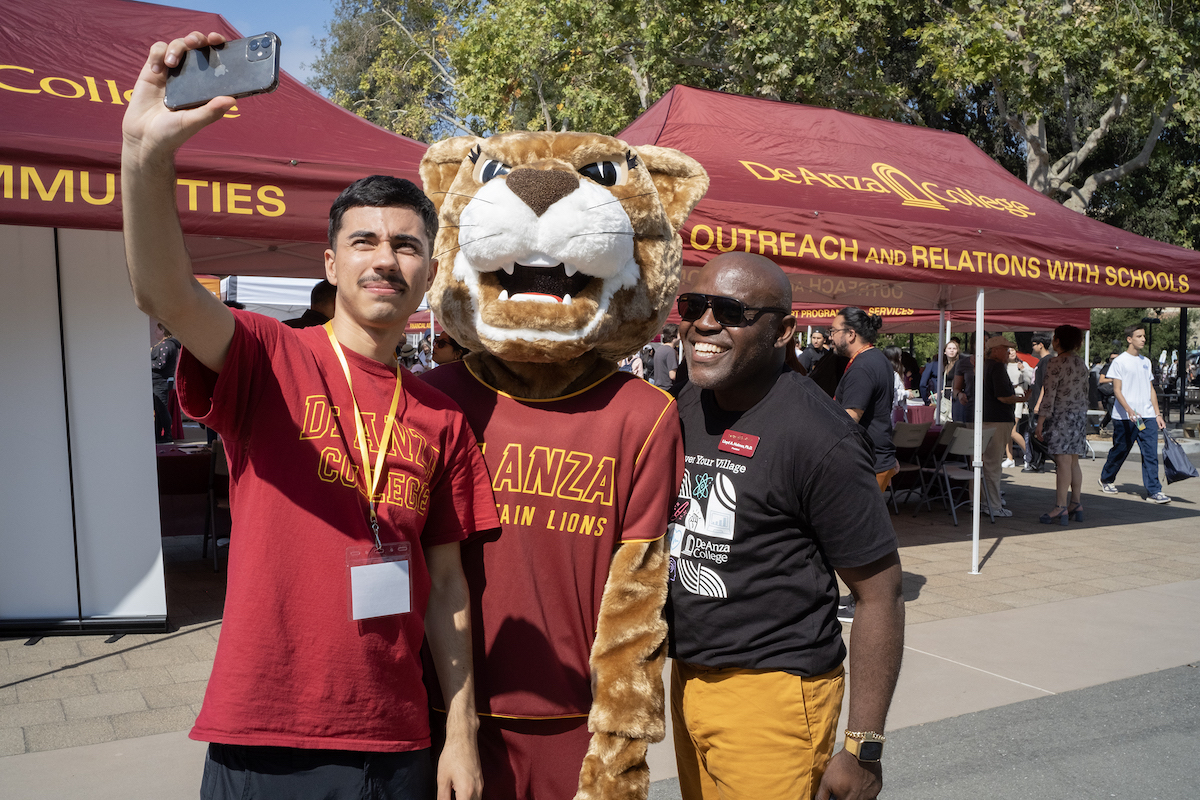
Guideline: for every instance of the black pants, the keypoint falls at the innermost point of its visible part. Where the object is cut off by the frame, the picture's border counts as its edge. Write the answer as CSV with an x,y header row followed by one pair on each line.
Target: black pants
x,y
241,772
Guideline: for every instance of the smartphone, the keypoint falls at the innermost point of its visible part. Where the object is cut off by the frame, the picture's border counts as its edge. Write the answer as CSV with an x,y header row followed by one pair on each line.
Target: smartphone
x,y
238,69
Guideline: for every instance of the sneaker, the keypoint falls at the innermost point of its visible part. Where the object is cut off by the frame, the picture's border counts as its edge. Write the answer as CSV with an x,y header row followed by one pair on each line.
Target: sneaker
x,y
845,612
1159,498
999,512
1109,488
1008,462
1028,468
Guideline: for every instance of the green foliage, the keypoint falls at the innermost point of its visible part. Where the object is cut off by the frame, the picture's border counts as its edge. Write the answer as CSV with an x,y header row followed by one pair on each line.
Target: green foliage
x,y
1109,324
1068,76
1069,94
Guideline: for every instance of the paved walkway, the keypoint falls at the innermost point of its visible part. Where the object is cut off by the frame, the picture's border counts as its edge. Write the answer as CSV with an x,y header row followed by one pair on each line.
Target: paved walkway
x,y
1055,609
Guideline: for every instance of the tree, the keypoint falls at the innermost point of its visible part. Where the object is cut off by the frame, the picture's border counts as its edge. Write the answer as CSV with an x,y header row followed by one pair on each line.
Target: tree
x,y
1076,95
1162,201
389,62
1064,74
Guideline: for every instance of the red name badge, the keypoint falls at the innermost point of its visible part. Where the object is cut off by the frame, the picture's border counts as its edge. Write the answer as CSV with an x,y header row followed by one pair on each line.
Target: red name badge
x,y
740,444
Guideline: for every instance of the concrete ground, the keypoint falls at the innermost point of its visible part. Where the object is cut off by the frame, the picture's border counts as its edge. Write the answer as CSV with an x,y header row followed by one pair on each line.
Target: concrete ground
x,y
1056,612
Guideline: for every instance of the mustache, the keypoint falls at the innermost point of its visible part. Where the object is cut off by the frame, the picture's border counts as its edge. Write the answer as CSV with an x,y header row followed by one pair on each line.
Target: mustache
x,y
396,281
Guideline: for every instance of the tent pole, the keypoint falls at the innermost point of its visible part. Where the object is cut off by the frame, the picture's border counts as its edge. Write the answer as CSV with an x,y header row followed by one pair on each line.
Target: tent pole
x,y
808,337
1087,347
940,382
977,464
1181,364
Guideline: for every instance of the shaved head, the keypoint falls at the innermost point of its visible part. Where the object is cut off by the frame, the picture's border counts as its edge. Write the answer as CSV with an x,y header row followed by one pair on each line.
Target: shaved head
x,y
769,283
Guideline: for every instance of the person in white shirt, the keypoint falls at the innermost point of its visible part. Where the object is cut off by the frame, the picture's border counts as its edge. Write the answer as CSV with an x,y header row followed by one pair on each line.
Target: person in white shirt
x,y
1135,416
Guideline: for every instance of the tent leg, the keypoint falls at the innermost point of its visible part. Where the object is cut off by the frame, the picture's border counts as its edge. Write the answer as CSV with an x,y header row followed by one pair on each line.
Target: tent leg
x,y
1181,364
978,454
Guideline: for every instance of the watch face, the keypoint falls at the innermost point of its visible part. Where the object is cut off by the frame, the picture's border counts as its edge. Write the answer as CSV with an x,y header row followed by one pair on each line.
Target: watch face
x,y
870,751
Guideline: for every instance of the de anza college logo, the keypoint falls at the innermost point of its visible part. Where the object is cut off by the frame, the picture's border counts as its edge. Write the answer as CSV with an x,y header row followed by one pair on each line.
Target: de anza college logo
x,y
704,512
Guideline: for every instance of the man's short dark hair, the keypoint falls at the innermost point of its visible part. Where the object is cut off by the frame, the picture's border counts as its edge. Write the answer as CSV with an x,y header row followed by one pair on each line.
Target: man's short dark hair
x,y
1132,329
957,340
669,332
865,325
324,292
382,191
1044,339
821,331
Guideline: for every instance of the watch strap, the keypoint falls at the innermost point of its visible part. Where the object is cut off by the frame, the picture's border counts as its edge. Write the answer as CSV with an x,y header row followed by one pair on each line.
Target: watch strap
x,y
864,745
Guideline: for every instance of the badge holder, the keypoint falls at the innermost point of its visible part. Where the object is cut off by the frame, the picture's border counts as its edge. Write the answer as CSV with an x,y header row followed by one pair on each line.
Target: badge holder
x,y
378,581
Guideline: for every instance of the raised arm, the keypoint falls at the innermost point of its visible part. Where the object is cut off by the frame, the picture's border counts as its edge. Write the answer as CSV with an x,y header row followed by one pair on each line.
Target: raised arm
x,y
160,270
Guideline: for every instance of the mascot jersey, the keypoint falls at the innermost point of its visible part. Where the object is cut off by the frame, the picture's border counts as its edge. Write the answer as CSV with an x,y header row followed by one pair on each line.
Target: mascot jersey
x,y
573,477
292,669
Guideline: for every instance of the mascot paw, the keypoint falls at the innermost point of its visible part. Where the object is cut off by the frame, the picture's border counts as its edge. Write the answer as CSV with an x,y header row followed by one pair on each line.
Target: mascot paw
x,y
614,769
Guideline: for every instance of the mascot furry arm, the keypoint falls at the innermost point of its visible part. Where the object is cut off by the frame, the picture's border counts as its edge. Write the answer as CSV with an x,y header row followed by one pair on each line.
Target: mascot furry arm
x,y
549,276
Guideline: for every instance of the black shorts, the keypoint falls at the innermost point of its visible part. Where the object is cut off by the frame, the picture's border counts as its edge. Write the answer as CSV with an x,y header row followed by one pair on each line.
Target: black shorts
x,y
242,772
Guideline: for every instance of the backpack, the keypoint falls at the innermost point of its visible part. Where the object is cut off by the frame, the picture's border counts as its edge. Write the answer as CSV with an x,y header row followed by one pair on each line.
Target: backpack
x,y
648,362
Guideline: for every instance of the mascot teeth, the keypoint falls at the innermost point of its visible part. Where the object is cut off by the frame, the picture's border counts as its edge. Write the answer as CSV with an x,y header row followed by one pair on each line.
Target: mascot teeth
x,y
503,298
542,283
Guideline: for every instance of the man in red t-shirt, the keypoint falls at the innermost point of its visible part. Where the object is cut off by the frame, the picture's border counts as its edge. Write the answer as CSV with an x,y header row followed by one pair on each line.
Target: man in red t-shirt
x,y
351,487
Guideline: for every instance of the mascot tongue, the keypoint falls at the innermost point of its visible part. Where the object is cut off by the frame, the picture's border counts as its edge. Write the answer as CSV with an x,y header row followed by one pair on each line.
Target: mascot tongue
x,y
543,281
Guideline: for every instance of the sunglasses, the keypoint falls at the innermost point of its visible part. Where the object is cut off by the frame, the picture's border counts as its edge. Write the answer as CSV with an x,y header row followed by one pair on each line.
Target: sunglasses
x,y
726,311
440,342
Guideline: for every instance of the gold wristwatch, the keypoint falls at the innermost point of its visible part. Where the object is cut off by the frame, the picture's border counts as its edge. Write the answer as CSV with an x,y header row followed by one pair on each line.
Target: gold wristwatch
x,y
864,745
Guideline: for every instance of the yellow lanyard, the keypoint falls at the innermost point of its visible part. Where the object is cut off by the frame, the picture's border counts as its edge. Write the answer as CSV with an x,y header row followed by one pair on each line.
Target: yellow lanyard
x,y
370,477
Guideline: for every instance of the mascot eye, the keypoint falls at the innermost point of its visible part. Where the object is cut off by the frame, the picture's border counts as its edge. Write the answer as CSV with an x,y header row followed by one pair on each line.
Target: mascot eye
x,y
605,173
488,168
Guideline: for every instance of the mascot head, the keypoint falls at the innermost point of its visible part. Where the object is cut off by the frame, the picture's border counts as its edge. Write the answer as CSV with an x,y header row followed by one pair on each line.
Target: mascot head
x,y
556,244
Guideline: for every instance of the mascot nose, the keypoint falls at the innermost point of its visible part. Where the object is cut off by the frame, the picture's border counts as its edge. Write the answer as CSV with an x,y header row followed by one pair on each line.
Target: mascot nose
x,y
539,189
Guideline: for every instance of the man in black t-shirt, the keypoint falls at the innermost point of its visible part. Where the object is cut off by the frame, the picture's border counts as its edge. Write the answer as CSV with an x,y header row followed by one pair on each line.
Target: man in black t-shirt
x,y
1041,349
866,388
778,495
815,351
665,359
998,400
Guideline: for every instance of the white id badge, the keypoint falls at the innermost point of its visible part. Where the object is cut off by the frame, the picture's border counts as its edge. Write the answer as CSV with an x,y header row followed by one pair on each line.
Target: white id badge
x,y
378,583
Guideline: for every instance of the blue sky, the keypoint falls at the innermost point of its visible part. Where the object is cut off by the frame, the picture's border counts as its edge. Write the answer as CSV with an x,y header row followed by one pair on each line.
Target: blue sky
x,y
296,22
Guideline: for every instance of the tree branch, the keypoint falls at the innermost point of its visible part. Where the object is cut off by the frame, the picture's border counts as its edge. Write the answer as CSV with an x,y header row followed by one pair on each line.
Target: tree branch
x,y
1010,120
429,56
1078,199
640,81
542,100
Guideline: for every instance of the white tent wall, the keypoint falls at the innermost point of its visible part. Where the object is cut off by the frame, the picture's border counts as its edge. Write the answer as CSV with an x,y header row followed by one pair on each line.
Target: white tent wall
x,y
35,507
280,298
83,495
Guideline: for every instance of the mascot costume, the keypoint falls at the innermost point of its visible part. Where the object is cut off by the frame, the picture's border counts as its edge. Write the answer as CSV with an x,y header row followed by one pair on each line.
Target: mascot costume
x,y
560,254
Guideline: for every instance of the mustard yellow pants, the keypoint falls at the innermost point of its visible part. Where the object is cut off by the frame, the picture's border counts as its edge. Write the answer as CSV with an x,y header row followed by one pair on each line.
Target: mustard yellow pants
x,y
748,734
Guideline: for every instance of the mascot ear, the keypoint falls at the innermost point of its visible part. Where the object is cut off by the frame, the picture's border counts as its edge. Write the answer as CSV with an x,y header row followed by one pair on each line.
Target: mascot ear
x,y
440,165
679,179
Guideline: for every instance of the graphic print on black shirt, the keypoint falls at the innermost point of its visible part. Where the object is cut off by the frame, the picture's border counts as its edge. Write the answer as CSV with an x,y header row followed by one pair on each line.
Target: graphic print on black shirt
x,y
706,509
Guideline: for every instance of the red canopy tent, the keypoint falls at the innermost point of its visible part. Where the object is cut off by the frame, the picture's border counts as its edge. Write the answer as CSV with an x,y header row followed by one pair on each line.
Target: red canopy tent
x,y
254,191
81,549
923,320
872,213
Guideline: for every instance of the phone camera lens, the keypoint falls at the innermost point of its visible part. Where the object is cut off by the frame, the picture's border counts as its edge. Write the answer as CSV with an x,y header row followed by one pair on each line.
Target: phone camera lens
x,y
253,44
266,43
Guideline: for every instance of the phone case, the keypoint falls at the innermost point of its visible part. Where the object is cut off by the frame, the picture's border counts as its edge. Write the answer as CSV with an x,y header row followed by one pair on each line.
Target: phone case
x,y
238,69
